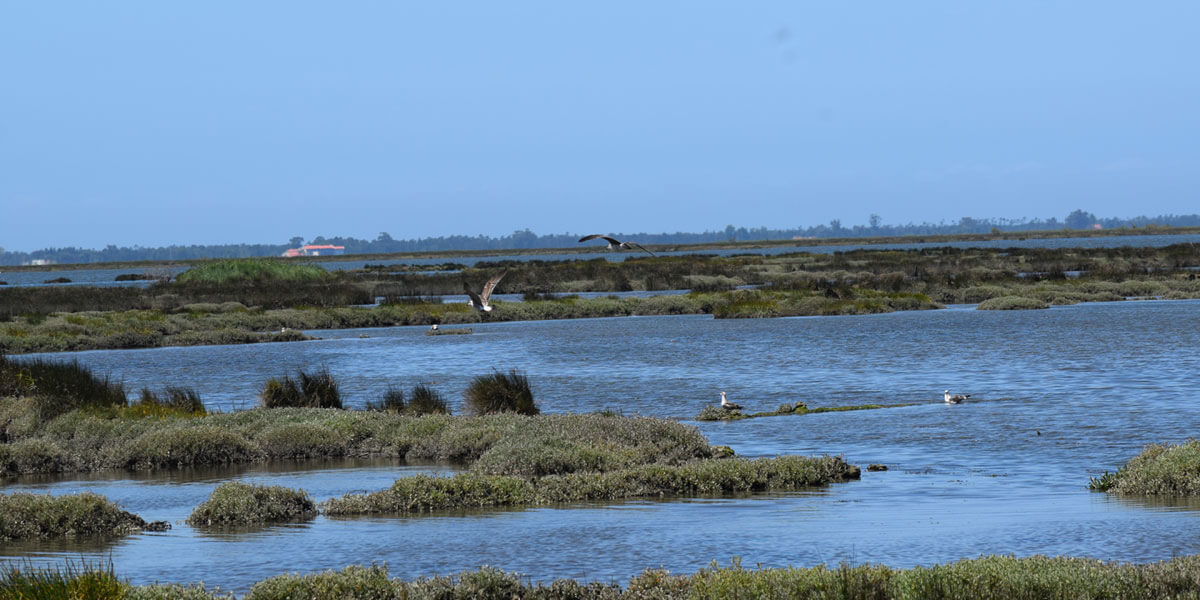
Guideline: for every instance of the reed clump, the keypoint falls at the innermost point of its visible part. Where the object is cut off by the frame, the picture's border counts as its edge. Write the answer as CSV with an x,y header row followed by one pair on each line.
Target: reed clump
x,y
1158,470
29,516
500,392
173,399
74,582
235,503
422,400
58,387
310,390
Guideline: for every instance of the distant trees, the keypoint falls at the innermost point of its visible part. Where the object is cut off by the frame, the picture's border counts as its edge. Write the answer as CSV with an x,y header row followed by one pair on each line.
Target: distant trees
x,y
526,239
1079,219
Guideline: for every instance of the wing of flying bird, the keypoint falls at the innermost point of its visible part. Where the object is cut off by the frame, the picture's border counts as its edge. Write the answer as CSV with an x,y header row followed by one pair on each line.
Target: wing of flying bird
x,y
639,246
491,285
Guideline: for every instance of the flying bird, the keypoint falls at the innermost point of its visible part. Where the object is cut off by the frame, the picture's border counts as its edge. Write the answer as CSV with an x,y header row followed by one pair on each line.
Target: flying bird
x,y
955,398
727,405
480,300
614,244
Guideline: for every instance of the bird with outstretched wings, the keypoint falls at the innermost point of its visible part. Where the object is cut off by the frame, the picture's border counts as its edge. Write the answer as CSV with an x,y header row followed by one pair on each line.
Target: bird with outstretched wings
x,y
615,244
481,301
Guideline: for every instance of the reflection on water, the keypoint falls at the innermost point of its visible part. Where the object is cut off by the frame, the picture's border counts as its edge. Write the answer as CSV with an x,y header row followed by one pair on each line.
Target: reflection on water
x,y
1059,395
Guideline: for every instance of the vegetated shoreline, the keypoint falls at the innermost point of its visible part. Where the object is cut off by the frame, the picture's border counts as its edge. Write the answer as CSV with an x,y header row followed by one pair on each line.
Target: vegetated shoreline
x,y
985,578
1158,470
233,323
227,302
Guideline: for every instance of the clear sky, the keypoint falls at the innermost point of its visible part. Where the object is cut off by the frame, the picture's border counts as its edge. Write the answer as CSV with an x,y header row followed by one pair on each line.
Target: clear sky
x,y
156,123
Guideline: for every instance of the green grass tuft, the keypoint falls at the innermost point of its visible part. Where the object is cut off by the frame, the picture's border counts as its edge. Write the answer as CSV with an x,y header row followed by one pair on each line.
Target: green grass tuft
x,y
309,390
500,392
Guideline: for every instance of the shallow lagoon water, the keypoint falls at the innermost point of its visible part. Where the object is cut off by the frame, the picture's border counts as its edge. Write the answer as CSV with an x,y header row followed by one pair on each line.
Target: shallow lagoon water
x,y
1058,395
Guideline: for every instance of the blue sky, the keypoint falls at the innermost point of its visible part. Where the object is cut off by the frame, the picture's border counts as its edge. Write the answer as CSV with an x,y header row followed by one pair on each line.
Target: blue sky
x,y
156,123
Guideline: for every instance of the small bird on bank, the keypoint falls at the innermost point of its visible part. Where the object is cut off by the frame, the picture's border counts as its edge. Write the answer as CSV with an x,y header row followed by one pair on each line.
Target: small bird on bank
x,y
433,327
955,398
615,244
481,300
727,405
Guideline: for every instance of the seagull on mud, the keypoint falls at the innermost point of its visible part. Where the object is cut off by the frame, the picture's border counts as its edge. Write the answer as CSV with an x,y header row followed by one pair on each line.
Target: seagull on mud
x,y
615,244
480,300
727,405
955,398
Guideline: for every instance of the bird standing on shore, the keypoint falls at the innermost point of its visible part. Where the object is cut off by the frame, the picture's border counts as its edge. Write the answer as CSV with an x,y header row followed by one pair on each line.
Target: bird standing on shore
x,y
615,244
727,405
955,398
481,300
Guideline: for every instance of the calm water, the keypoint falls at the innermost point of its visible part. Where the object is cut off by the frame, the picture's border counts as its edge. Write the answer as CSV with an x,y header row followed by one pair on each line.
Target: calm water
x,y
107,276
1059,395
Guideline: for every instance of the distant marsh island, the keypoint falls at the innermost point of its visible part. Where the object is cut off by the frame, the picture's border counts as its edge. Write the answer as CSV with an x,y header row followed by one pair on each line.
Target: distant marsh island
x,y
259,300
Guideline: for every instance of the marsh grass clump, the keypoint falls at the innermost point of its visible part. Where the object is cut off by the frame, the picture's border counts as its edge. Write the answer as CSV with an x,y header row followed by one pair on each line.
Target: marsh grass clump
x,y
59,387
392,401
500,392
69,581
320,390
281,393
28,516
235,503
185,401
1012,303
1159,470
308,390
424,400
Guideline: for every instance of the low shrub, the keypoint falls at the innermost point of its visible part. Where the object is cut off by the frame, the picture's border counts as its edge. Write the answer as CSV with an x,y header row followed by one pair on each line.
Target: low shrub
x,y
424,493
302,440
500,392
27,516
188,446
1159,470
235,503
1012,303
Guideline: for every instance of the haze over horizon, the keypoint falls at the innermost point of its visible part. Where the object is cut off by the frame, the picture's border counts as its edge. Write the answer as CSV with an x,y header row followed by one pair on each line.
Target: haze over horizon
x,y
156,124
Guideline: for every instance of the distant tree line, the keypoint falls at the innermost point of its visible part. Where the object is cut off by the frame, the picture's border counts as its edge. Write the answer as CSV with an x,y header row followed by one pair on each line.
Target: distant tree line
x,y
526,239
